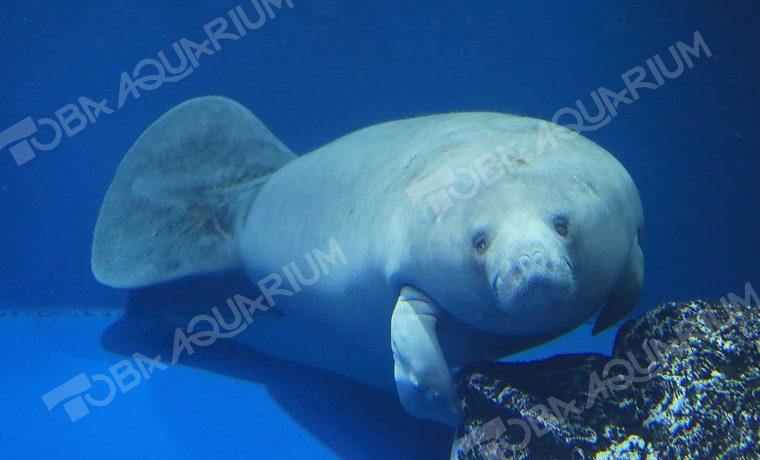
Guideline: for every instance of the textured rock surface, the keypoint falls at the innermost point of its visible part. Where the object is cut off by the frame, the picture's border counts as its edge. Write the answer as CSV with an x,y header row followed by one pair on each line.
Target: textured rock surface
x,y
683,382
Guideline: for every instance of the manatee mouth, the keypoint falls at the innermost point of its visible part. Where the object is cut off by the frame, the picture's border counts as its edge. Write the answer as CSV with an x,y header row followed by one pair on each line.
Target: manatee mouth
x,y
494,283
540,288
538,292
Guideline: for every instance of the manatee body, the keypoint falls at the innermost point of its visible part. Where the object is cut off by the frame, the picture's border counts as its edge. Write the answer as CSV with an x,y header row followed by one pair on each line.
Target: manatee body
x,y
446,239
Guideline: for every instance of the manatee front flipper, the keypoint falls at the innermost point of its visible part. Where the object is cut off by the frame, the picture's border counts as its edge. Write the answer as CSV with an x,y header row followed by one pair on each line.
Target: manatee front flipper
x,y
422,376
626,293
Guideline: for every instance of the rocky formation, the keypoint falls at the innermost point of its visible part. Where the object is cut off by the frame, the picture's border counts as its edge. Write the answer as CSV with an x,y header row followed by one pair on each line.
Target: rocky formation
x,y
683,382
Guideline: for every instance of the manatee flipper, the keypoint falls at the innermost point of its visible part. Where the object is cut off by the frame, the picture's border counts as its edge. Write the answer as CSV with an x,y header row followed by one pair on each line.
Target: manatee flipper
x,y
422,376
179,192
626,293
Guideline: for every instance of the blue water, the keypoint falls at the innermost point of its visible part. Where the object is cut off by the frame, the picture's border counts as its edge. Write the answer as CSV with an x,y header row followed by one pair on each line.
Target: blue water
x,y
315,72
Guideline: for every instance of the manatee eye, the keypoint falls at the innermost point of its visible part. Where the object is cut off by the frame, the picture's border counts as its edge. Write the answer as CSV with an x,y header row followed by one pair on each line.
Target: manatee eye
x,y
480,243
561,225
639,233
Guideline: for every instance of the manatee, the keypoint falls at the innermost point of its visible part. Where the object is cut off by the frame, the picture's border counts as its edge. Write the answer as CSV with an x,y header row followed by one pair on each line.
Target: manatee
x,y
451,238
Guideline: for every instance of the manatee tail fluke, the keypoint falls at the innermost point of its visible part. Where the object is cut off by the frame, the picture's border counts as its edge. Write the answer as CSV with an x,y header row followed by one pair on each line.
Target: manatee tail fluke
x,y
172,208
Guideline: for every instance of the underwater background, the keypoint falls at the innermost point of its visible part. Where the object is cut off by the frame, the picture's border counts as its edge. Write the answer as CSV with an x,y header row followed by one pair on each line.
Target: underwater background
x,y
314,71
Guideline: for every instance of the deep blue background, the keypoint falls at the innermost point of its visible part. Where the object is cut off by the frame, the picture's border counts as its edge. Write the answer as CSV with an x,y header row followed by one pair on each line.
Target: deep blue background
x,y
326,68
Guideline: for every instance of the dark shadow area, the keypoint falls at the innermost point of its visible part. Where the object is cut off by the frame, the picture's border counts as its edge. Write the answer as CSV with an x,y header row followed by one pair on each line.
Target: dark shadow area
x,y
351,418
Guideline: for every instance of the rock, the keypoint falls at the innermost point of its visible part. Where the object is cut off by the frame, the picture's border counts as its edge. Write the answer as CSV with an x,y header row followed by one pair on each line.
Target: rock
x,y
683,382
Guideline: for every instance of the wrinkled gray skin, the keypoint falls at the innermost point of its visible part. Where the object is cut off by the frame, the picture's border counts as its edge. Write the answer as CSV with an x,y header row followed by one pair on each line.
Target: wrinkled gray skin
x,y
527,231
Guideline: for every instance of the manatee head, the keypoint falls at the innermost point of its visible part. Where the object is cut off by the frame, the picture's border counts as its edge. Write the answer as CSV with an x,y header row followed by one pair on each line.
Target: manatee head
x,y
539,246
527,259
548,250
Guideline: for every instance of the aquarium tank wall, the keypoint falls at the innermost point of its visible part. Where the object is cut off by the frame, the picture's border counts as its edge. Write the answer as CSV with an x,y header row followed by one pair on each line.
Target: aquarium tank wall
x,y
335,229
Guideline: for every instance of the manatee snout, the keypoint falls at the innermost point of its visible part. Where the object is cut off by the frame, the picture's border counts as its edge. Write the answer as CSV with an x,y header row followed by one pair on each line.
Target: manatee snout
x,y
533,279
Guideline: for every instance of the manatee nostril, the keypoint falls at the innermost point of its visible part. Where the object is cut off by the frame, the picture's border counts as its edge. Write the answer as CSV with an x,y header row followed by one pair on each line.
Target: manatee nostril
x,y
525,261
514,270
550,265
538,257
